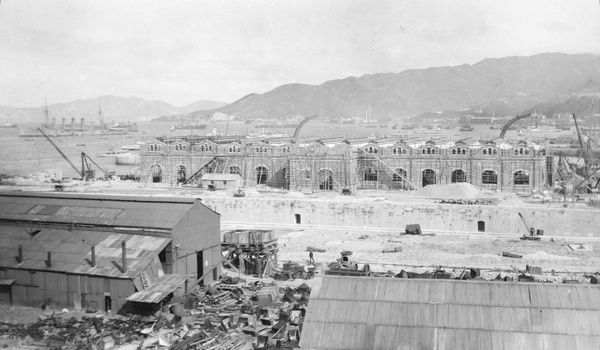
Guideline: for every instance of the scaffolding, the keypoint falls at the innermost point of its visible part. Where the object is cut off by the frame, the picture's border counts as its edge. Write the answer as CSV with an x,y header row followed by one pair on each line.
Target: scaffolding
x,y
342,166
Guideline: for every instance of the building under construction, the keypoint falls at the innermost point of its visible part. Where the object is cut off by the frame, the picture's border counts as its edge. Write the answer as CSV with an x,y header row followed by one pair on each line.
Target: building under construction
x,y
344,165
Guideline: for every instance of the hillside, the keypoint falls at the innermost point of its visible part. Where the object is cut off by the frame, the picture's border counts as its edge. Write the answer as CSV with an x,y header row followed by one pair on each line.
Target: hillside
x,y
510,85
114,108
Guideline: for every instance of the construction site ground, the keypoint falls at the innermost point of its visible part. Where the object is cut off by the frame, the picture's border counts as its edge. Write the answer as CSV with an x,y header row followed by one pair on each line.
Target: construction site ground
x,y
433,249
569,257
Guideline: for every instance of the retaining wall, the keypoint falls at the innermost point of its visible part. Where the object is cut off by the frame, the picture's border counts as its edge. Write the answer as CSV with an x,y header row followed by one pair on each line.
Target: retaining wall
x,y
555,221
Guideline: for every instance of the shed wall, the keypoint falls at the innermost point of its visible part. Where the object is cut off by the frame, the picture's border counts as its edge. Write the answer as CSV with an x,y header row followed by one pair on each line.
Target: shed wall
x,y
198,231
34,288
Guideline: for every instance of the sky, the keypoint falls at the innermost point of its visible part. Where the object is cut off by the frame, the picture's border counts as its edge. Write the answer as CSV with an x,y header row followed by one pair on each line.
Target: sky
x,y
222,50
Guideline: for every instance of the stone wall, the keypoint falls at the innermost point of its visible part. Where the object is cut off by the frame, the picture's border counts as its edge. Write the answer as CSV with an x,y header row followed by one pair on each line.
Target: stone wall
x,y
556,221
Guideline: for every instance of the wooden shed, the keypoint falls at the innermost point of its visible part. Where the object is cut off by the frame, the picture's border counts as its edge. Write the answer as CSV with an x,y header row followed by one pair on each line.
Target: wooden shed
x,y
96,251
393,313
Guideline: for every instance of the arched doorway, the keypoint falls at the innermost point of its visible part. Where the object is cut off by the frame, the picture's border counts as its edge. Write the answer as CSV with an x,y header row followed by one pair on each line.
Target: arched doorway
x,y
521,178
458,175
399,178
262,175
489,177
428,177
325,180
181,173
156,171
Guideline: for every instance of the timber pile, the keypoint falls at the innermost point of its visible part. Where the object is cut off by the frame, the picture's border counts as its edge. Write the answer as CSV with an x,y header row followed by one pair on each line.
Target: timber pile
x,y
228,315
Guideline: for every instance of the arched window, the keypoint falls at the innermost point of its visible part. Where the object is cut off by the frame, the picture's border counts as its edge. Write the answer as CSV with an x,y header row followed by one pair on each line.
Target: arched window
x,y
495,151
325,180
370,174
453,151
521,178
428,177
485,152
262,175
489,177
156,171
181,174
234,169
464,151
151,148
458,175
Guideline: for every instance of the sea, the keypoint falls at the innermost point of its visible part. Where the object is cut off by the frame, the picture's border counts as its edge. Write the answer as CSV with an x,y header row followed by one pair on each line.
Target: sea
x,y
24,156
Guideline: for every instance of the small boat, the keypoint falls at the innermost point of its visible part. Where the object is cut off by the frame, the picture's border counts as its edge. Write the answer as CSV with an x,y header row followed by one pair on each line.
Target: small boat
x,y
8,125
135,147
172,128
80,144
467,128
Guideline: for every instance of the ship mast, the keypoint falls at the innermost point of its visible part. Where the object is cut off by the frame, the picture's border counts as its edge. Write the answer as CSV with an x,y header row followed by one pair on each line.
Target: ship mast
x,y
100,117
46,111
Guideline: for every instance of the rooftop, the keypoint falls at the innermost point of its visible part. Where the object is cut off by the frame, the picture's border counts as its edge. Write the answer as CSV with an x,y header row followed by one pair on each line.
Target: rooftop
x,y
95,209
71,251
392,313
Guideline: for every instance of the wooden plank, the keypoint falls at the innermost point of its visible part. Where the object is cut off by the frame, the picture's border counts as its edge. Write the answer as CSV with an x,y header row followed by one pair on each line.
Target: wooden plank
x,y
436,292
411,315
423,291
412,291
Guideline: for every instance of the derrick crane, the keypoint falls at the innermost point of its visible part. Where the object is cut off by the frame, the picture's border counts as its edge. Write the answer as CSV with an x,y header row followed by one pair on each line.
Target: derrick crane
x,y
511,122
86,168
299,127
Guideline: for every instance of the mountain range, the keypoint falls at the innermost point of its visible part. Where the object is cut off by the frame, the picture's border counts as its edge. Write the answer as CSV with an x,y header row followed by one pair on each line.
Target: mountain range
x,y
113,108
545,83
506,86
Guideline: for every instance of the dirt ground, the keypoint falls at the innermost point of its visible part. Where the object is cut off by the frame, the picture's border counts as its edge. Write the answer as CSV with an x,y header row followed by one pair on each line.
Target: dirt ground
x,y
23,314
420,253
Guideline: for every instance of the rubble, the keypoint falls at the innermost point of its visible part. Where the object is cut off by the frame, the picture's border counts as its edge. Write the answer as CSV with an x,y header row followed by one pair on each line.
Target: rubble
x,y
232,314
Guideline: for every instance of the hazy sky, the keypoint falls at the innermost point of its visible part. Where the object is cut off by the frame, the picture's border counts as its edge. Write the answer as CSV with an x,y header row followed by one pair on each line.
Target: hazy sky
x,y
182,51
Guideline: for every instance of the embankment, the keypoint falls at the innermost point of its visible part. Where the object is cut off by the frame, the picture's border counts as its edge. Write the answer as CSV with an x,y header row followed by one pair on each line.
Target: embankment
x,y
555,220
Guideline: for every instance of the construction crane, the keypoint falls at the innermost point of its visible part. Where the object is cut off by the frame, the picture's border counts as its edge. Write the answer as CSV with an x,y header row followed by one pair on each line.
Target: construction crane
x,y
531,230
511,122
299,127
86,169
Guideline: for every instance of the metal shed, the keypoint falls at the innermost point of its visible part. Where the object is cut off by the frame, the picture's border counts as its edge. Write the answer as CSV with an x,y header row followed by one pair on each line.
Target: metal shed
x,y
84,251
390,313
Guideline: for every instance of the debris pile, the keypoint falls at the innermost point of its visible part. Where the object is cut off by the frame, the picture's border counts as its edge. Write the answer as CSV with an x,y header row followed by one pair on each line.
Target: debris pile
x,y
227,315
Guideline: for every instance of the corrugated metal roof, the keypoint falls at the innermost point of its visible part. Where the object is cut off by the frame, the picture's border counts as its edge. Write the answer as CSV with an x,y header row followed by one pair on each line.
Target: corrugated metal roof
x,y
71,251
389,313
159,289
126,211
